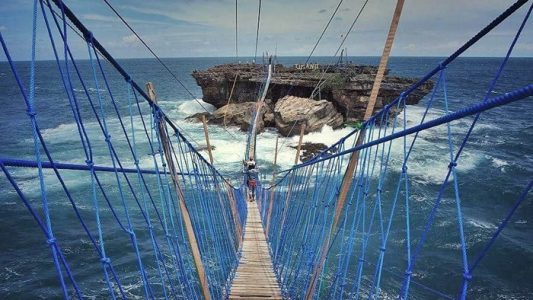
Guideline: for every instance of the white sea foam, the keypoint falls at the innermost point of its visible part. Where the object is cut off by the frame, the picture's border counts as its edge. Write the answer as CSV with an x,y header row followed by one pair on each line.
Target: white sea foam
x,y
195,106
499,163
427,164
481,224
90,89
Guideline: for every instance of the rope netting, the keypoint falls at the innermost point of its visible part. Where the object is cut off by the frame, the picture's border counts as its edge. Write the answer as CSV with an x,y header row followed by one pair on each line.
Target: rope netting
x,y
145,200
385,238
159,221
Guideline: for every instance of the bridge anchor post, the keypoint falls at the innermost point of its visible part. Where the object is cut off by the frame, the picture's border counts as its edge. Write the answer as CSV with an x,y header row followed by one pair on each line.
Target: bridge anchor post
x,y
354,158
193,243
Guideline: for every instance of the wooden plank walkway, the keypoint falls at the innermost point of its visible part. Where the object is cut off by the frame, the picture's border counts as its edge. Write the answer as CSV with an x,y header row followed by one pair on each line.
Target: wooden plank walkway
x,y
255,277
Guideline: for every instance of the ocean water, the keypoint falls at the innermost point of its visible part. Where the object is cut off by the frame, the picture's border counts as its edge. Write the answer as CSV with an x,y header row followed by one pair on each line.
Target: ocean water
x,y
496,165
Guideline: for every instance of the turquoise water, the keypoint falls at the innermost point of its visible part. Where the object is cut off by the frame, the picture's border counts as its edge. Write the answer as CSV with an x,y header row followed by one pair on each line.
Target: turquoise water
x,y
496,165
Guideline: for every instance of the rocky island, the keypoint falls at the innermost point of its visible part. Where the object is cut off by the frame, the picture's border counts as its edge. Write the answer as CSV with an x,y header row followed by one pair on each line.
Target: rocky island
x,y
313,94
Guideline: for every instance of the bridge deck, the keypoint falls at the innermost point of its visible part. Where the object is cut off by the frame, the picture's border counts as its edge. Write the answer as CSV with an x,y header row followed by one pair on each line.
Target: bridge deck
x,y
255,277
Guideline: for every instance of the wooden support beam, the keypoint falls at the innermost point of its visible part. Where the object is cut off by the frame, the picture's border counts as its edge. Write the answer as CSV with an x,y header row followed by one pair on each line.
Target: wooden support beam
x,y
275,156
272,190
289,185
235,214
298,149
352,164
206,133
231,198
165,141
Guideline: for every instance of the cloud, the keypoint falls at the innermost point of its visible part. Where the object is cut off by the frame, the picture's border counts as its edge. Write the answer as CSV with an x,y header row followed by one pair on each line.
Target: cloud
x,y
97,17
181,27
410,47
130,40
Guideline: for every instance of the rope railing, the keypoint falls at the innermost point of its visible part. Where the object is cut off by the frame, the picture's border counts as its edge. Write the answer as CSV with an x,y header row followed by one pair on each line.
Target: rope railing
x,y
139,213
382,230
162,222
509,11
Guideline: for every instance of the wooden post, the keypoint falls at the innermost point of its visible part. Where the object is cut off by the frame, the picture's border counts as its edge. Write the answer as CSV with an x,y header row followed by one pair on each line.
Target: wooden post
x,y
302,131
289,185
272,190
235,213
206,133
231,199
165,141
352,164
276,155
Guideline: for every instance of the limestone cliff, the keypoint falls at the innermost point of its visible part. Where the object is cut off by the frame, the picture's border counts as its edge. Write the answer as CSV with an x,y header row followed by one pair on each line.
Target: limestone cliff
x,y
346,86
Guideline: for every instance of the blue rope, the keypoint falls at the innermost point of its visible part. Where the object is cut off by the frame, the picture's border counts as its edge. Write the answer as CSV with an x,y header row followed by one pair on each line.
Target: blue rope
x,y
31,113
508,12
405,285
133,237
510,97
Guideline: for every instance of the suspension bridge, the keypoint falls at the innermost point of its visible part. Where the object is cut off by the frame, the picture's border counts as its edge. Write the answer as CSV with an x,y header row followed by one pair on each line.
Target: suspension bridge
x,y
321,229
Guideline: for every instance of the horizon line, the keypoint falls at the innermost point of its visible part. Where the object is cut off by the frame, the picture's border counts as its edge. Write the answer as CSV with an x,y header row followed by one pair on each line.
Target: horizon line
x,y
288,56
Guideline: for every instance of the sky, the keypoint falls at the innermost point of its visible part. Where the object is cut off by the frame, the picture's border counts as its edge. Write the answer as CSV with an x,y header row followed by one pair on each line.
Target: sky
x,y
199,28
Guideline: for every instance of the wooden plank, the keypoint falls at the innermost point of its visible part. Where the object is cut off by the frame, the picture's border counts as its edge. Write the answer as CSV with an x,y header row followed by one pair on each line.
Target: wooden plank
x,y
183,207
255,278
299,148
352,165
208,143
272,190
235,214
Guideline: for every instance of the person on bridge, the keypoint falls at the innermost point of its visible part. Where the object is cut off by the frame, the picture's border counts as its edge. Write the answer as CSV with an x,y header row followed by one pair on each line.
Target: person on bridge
x,y
251,177
250,165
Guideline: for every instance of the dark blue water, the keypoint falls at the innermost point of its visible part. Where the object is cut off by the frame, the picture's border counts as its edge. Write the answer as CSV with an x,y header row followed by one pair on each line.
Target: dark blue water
x,y
496,165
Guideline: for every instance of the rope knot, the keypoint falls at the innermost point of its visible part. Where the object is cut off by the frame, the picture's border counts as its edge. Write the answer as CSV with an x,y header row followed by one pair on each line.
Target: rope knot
x,y
136,162
452,165
128,79
404,169
105,260
361,260
402,95
382,249
467,276
441,66
408,272
51,241
89,163
108,138
379,190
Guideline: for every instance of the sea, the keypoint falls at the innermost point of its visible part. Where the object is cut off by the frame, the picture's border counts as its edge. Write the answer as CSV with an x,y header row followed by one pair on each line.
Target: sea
x,y
496,165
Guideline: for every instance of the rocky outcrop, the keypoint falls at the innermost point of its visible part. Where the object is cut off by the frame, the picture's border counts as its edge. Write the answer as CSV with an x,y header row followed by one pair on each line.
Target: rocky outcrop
x,y
290,112
197,117
240,114
345,87
310,150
